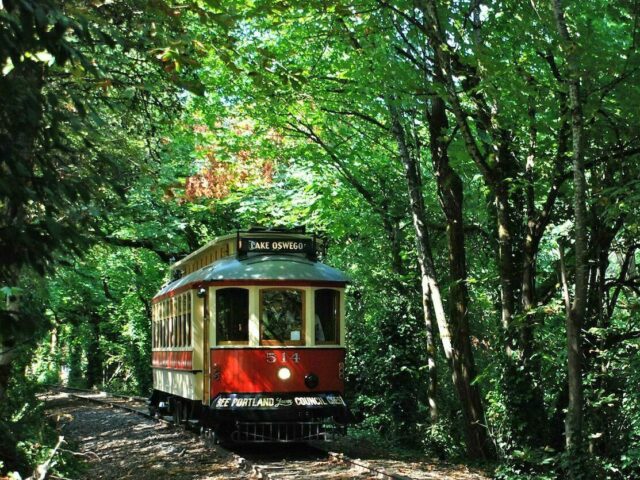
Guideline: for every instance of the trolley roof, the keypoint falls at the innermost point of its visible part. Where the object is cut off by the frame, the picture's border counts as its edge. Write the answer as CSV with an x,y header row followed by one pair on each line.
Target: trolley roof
x,y
260,268
208,245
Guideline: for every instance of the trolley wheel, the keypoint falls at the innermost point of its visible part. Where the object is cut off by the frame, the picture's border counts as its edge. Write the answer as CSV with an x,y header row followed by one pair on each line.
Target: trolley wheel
x,y
177,413
184,415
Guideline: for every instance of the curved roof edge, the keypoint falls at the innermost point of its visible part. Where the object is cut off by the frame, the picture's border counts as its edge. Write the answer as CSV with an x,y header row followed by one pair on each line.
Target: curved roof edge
x,y
260,268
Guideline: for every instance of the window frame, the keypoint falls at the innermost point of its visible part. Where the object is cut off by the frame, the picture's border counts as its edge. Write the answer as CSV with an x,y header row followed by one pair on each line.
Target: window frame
x,y
172,323
227,343
303,318
189,314
338,327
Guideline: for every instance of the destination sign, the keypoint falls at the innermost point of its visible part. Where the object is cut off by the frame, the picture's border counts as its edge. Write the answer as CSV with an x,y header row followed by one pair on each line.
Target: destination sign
x,y
275,402
275,245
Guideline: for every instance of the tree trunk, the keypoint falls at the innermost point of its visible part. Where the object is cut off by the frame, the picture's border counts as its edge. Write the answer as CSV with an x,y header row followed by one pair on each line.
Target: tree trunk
x,y
432,374
476,438
525,399
94,354
20,121
573,425
528,284
394,236
505,263
5,365
450,191
602,413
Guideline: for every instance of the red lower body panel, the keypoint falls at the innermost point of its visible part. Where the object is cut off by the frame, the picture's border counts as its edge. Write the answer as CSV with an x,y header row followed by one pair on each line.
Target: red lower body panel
x,y
173,360
255,370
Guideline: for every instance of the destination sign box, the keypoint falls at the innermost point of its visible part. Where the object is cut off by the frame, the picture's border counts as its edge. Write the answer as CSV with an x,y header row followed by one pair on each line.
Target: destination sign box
x,y
275,245
275,402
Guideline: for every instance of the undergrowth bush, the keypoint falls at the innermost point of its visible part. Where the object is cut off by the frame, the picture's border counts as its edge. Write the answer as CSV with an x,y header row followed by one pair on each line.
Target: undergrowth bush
x,y
27,435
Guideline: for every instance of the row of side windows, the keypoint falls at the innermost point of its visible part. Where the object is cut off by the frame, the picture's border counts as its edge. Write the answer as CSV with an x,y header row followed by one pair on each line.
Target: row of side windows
x,y
172,322
282,316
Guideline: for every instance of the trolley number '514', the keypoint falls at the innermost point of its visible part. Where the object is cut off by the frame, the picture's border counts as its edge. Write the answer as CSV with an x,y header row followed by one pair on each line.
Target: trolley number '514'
x,y
273,358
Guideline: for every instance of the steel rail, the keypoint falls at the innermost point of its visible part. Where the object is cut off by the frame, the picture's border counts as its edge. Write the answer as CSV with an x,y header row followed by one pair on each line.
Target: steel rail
x,y
256,470
131,397
242,463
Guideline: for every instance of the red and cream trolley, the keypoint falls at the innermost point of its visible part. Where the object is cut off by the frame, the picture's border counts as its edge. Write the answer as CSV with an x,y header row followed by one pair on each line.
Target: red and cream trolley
x,y
248,339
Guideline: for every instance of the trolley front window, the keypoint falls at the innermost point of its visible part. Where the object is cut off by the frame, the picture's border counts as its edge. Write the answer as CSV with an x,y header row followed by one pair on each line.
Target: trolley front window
x,y
281,317
232,316
327,317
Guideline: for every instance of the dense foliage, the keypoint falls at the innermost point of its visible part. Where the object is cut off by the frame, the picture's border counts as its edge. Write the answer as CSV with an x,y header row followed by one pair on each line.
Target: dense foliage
x,y
441,146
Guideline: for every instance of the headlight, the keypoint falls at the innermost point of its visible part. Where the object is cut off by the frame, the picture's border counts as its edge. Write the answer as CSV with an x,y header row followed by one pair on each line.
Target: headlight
x,y
284,373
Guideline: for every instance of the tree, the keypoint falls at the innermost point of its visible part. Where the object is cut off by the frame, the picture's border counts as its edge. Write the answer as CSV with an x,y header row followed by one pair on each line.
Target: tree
x,y
576,315
66,169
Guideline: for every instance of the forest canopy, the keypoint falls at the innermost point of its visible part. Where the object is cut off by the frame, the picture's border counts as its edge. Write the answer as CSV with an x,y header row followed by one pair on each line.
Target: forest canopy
x,y
474,165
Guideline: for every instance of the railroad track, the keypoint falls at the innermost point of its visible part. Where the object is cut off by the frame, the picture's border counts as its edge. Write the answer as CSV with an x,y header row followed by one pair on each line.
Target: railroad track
x,y
265,461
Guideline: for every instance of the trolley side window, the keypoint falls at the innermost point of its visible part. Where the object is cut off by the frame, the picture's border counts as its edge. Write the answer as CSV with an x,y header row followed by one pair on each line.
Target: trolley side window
x,y
154,326
327,316
189,315
172,323
232,316
157,324
281,317
165,325
184,318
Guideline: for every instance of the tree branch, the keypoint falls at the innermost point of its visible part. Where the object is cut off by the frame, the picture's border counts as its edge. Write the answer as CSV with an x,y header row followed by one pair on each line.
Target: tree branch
x,y
363,116
615,338
146,244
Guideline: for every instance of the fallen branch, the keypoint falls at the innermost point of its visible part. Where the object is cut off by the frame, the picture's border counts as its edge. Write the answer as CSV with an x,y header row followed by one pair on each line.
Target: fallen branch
x,y
41,470
80,454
